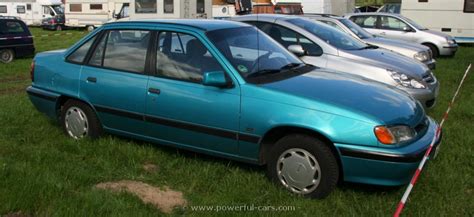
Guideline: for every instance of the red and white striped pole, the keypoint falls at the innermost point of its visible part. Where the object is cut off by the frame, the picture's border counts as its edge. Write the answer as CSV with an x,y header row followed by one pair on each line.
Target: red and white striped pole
x,y
402,202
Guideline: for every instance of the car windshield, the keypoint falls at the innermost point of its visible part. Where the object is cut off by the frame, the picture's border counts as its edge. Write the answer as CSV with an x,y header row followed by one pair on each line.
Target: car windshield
x,y
356,29
251,52
58,9
329,34
416,25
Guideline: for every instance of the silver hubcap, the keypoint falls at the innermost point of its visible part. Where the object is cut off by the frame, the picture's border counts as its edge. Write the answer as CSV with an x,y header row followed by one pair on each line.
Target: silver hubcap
x,y
76,123
299,171
6,56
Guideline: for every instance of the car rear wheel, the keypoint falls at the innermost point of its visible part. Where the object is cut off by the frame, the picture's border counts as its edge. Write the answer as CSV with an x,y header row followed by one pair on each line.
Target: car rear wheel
x,y
303,165
7,55
90,28
79,120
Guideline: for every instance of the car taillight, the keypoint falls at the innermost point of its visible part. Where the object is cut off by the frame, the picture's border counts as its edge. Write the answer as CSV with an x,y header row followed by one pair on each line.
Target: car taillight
x,y
32,71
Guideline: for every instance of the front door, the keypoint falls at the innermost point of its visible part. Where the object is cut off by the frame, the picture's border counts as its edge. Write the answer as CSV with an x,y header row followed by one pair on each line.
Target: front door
x,y
392,27
114,80
179,108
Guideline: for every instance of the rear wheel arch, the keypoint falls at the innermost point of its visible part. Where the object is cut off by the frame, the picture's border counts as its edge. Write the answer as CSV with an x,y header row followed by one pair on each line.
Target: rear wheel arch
x,y
273,135
64,98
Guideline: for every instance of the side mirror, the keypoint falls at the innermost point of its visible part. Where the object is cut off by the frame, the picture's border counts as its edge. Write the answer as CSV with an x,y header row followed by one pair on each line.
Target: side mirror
x,y
215,78
297,50
113,14
407,29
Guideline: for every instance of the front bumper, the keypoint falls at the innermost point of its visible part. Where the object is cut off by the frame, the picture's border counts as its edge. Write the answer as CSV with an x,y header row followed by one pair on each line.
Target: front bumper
x,y
448,50
385,166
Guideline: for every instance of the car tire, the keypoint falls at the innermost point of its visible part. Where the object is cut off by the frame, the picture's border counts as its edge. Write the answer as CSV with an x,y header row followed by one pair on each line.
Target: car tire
x,y
304,165
79,120
90,28
433,49
7,55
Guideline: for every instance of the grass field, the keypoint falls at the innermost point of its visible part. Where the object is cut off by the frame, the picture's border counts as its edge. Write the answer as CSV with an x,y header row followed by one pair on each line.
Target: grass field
x,y
43,173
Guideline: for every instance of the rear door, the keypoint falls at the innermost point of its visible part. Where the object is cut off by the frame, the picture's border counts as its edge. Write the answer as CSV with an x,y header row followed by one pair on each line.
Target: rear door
x,y
115,78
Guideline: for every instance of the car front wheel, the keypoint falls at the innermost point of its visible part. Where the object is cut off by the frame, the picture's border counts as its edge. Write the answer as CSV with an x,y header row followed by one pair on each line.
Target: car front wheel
x,y
79,120
6,55
303,165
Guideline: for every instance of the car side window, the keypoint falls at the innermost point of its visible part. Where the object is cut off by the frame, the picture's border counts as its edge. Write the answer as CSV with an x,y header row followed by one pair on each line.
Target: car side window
x,y
183,57
13,27
365,21
392,23
287,37
80,53
123,50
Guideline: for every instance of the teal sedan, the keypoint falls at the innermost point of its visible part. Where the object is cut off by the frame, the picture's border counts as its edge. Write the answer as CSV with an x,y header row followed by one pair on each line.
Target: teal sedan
x,y
226,89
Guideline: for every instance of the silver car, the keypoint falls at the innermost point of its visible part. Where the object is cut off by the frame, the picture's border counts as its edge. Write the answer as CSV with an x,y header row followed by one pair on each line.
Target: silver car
x,y
417,51
324,46
396,26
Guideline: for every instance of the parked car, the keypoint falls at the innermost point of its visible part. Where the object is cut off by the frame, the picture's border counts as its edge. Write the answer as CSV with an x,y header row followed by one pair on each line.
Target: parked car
x,y
396,26
413,50
226,89
15,39
325,46
390,8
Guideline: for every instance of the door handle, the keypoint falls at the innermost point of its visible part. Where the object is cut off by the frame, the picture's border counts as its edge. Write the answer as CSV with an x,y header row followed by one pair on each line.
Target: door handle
x,y
154,90
92,79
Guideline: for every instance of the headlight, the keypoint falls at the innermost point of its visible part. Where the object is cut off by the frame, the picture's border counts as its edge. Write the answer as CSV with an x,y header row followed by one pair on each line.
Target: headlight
x,y
421,56
450,40
405,80
394,134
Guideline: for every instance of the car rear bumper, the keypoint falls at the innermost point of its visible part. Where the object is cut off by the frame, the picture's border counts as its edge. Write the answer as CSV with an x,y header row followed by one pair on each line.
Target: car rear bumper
x,y
44,101
386,166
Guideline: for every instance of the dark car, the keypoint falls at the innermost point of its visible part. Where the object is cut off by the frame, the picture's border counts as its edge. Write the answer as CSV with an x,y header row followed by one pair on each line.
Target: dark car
x,y
15,39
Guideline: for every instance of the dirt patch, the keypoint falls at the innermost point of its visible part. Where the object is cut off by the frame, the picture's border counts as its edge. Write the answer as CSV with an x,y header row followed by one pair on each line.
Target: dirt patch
x,y
164,199
150,168
12,90
17,214
14,78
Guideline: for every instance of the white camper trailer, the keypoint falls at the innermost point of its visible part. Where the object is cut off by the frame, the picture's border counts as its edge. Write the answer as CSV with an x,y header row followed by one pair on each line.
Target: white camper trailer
x,y
453,17
170,9
336,7
92,13
32,12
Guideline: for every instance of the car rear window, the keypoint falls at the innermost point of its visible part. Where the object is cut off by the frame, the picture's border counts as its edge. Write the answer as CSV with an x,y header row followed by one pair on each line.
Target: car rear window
x,y
12,27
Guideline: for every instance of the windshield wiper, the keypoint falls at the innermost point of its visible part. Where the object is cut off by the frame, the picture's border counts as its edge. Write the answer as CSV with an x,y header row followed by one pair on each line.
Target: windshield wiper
x,y
291,66
369,47
263,72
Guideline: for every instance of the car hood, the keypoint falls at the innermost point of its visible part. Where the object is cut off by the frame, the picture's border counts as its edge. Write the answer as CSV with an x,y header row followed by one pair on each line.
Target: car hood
x,y
396,45
353,94
387,59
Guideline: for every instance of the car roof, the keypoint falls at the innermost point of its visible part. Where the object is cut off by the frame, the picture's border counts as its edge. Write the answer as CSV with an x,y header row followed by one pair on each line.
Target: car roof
x,y
372,13
202,24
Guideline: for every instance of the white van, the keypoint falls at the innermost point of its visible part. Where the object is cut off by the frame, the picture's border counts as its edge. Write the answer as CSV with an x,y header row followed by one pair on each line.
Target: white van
x,y
32,12
92,13
453,17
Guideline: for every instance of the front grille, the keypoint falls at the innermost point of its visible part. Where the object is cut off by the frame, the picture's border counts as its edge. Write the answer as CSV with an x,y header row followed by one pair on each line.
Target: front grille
x,y
428,78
